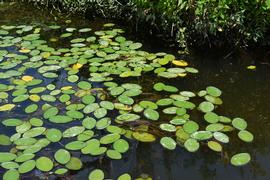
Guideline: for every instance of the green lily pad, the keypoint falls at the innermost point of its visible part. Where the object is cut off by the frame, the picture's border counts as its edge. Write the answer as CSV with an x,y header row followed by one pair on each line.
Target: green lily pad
x,y
31,108
84,85
44,164
215,146
167,127
75,145
144,136
206,107
245,136
202,135
27,166
239,123
215,127
4,140
73,131
53,135
211,117
121,145
60,119
25,157
151,114
11,174
34,132
74,164
109,138
113,154
191,145
96,174
168,143
213,91
240,159
62,156
12,122
221,137
124,177
190,127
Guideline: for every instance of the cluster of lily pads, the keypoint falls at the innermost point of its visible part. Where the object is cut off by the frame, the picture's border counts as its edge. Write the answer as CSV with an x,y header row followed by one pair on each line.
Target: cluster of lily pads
x,y
96,114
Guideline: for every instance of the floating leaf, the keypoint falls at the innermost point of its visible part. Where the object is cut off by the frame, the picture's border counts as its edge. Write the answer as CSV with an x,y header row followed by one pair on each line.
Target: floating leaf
x,y
168,143
7,107
215,146
27,166
109,138
5,157
151,114
206,107
239,123
240,159
121,145
62,156
213,91
11,174
113,154
4,140
144,136
74,164
12,122
211,117
124,177
191,145
245,136
167,127
202,135
221,137
190,127
53,135
73,131
96,174
44,164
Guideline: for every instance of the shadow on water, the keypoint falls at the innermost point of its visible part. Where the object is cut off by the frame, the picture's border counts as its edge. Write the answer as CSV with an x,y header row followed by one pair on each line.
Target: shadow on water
x,y
245,94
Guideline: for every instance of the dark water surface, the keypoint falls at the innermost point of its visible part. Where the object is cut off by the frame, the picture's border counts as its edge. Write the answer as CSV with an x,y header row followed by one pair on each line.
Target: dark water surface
x,y
246,94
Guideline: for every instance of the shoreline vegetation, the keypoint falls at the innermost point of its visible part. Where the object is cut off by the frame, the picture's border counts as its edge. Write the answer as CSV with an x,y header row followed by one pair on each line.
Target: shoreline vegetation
x,y
202,23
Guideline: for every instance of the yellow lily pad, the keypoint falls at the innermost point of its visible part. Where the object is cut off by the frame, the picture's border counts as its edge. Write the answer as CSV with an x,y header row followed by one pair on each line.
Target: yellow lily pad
x,y
144,136
182,74
7,107
27,78
66,88
180,63
23,50
251,67
77,66
34,98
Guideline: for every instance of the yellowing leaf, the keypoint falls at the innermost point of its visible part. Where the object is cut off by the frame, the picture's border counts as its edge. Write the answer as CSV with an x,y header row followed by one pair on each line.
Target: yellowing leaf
x,y
68,103
77,66
46,55
66,88
251,67
23,50
7,107
27,78
182,74
53,39
34,97
180,63
37,30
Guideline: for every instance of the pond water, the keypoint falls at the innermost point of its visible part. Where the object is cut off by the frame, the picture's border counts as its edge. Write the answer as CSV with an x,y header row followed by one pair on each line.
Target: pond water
x,y
245,94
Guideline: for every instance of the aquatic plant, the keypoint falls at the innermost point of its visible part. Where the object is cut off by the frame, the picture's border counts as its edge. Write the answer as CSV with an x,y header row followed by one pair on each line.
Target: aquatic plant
x,y
97,114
